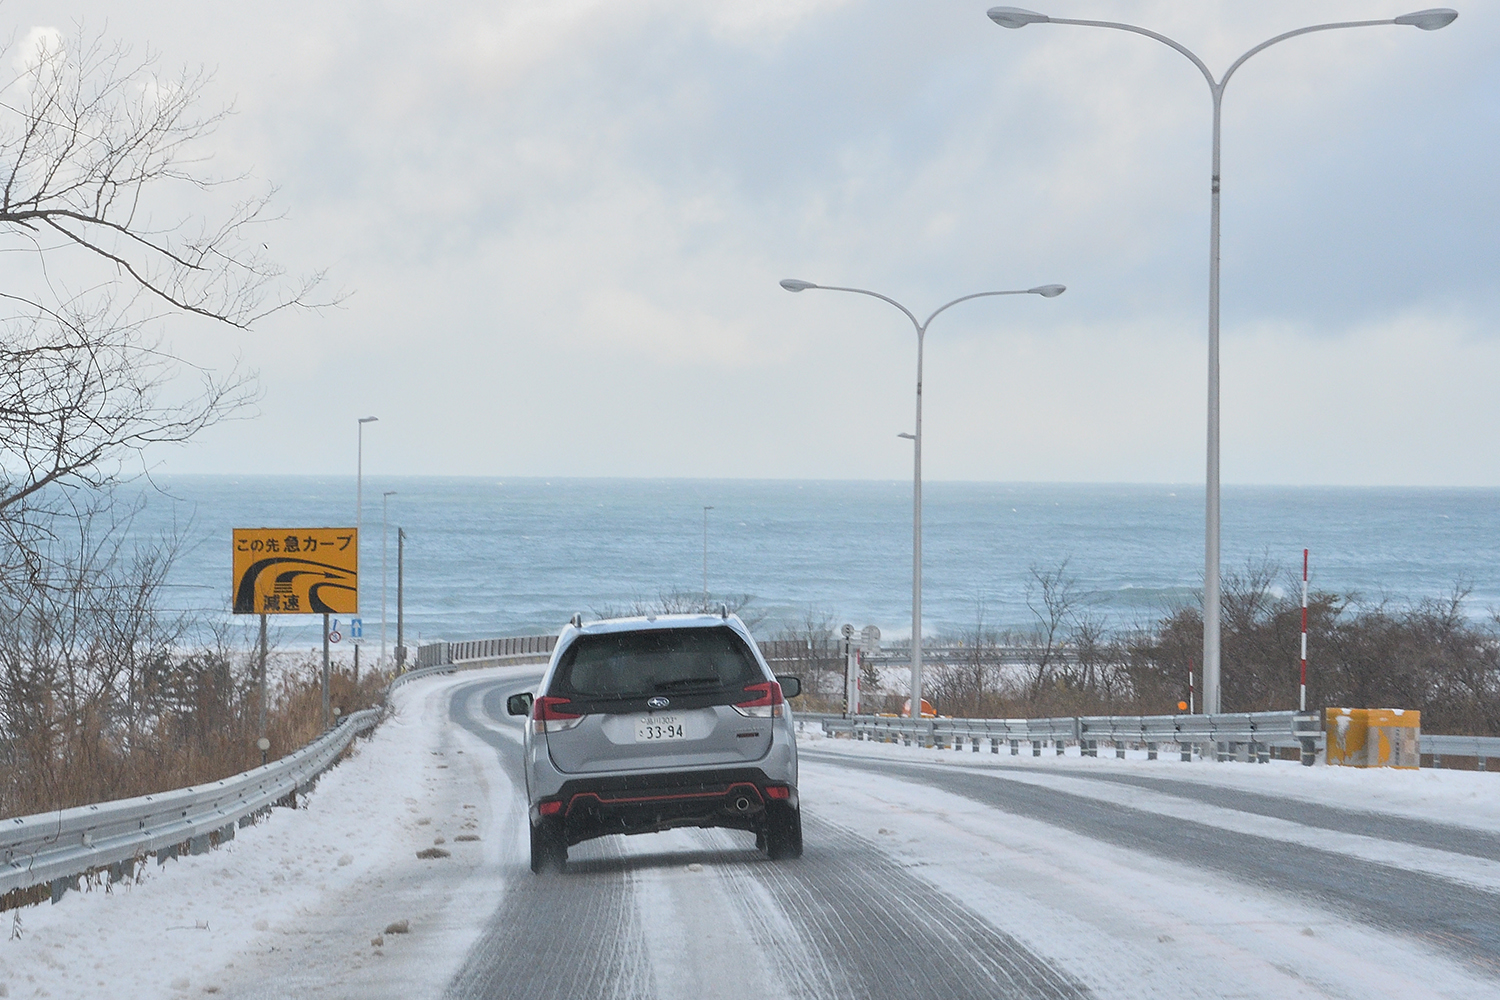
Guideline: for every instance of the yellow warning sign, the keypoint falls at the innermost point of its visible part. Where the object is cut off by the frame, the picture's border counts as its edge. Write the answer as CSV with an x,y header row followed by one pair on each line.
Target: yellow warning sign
x,y
296,571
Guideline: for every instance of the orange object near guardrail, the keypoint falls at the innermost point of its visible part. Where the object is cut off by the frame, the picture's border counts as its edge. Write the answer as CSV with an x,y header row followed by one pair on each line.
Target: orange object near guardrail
x,y
1374,737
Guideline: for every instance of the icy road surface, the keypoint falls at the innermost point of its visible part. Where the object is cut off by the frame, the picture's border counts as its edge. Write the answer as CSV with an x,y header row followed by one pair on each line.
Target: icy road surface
x,y
928,874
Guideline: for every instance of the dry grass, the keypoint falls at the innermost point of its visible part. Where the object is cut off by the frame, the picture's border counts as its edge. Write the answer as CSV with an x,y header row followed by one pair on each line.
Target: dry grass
x,y
92,759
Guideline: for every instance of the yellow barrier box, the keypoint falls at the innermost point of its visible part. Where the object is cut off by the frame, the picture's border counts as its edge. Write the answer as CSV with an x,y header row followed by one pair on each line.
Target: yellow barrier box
x,y
1374,737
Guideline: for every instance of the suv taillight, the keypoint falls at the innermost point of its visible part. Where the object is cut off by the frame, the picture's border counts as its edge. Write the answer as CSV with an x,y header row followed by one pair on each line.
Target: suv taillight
x,y
767,703
547,718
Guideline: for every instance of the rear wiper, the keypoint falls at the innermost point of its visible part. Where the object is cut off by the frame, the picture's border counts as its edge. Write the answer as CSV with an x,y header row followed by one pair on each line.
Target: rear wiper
x,y
686,682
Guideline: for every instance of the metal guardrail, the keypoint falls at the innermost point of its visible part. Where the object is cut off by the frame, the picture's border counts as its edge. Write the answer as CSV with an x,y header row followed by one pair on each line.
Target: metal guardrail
x,y
1251,734
514,649
1482,748
62,845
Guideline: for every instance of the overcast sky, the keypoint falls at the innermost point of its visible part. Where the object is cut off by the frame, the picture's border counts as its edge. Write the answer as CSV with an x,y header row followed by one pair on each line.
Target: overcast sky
x,y
563,223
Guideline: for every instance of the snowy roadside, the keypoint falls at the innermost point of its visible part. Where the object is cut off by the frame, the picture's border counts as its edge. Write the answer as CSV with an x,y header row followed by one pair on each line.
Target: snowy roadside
x,y
292,906
1126,923
1455,798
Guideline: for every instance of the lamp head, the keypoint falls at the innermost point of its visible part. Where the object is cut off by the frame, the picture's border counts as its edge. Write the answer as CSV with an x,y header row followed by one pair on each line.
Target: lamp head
x,y
909,437
1047,291
1016,17
1429,20
368,420
796,285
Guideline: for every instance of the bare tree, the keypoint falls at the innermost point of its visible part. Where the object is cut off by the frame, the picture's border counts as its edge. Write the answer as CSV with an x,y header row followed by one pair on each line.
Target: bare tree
x,y
682,602
1051,597
107,210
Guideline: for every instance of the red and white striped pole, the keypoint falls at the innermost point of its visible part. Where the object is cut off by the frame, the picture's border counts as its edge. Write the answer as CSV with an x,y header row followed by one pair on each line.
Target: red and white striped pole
x,y
1192,709
1304,631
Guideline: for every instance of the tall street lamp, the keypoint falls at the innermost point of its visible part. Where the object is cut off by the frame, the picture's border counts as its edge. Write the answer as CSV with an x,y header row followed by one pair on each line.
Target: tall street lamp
x,y
359,489
384,520
1016,17
705,558
1047,291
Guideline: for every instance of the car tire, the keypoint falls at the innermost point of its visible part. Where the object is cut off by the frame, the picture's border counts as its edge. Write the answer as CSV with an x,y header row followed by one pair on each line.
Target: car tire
x,y
548,852
784,834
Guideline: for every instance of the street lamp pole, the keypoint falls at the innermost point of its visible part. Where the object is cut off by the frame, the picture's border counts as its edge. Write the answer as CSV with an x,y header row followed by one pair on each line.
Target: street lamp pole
x,y
1047,291
705,558
359,491
1016,17
384,547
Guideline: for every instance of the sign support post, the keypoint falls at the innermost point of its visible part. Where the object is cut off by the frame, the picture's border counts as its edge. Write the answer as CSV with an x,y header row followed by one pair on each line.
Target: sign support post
x,y
262,682
325,672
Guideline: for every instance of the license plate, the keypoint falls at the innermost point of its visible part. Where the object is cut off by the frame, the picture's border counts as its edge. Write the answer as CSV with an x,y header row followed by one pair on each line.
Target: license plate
x,y
658,728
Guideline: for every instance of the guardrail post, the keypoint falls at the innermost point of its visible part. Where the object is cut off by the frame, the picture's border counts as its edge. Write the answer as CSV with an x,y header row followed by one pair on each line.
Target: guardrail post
x,y
1036,748
1187,752
1309,751
1150,751
1061,746
1119,750
60,887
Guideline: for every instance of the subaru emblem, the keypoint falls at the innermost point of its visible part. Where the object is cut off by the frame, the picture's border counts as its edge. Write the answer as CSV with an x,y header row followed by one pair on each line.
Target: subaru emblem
x,y
658,702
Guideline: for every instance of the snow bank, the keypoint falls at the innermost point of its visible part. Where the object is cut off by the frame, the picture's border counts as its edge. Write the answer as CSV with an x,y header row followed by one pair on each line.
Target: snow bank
x,y
291,906
1456,798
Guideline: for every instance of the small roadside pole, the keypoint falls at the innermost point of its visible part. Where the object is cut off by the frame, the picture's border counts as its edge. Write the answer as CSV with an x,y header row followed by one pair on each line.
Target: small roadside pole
x,y
1302,704
1192,708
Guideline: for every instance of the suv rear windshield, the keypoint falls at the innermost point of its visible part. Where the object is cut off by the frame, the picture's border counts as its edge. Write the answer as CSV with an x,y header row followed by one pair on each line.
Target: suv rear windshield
x,y
639,664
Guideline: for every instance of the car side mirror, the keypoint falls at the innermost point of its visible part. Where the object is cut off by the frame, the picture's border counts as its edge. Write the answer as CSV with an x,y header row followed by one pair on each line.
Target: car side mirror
x,y
791,686
519,704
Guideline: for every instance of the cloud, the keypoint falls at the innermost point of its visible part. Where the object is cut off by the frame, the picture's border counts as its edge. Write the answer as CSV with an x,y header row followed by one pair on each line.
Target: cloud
x,y
575,213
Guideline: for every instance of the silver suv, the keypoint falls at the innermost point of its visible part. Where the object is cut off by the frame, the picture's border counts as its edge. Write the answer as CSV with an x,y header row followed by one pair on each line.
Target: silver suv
x,y
645,724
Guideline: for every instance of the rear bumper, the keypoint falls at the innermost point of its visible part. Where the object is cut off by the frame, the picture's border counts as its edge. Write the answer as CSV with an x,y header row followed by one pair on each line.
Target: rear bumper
x,y
584,808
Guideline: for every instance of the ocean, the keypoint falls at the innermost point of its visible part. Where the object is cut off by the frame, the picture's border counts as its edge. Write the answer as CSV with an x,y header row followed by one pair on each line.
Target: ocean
x,y
494,556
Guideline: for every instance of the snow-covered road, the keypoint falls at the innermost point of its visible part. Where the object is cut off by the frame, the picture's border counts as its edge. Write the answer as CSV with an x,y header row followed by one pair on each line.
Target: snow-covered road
x,y
927,874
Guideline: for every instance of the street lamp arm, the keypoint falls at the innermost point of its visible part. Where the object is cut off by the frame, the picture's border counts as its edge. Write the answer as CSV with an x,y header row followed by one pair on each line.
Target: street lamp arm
x,y
977,295
1293,34
1218,85
1173,43
876,295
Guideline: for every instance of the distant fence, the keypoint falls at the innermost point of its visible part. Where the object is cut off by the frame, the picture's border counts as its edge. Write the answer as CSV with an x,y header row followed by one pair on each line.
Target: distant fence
x,y
539,647
1237,731
515,649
